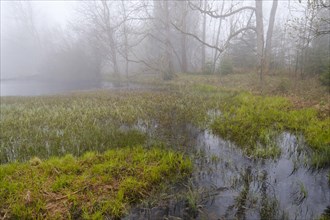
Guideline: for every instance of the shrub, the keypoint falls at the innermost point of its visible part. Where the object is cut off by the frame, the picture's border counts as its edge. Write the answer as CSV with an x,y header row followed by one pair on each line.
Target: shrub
x,y
226,67
325,76
207,68
283,86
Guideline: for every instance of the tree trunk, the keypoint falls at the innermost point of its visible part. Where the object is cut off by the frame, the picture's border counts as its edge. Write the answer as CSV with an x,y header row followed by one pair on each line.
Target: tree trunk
x,y
125,41
260,39
113,52
168,72
114,59
184,65
110,35
204,37
217,40
268,48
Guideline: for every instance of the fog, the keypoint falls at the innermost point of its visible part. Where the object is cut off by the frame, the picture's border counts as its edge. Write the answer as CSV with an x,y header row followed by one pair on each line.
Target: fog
x,y
69,44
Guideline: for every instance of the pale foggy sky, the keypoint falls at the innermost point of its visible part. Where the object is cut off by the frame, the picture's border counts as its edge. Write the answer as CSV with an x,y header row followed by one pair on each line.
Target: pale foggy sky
x,y
50,19
55,12
60,12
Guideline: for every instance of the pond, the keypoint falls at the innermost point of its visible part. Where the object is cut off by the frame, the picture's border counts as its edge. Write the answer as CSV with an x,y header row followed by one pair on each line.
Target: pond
x,y
34,87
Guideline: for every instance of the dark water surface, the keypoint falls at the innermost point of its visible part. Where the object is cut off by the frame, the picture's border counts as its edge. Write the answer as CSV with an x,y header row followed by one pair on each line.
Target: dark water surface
x,y
232,186
268,189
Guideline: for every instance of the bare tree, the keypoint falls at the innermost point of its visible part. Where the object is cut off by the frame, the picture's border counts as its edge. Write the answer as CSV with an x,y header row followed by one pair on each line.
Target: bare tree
x,y
126,46
204,34
321,23
268,47
97,16
260,38
184,62
168,74
110,32
20,41
25,15
264,50
233,31
303,31
216,55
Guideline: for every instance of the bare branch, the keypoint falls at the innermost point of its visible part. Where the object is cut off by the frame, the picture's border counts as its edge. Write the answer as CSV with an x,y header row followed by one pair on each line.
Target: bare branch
x,y
213,14
197,38
220,50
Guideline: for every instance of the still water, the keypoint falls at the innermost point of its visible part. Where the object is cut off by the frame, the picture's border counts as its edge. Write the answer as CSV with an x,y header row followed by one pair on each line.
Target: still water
x,y
31,87
229,185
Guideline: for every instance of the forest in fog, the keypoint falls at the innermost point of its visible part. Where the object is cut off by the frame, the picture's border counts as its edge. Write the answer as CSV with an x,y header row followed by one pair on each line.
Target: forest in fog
x,y
123,38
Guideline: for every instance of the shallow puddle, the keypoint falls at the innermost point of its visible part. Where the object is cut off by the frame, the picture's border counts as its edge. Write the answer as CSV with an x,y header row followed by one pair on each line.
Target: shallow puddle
x,y
253,189
230,185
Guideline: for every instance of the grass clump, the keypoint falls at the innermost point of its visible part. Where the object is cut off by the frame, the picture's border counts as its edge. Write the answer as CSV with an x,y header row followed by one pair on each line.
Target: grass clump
x,y
205,88
92,186
254,122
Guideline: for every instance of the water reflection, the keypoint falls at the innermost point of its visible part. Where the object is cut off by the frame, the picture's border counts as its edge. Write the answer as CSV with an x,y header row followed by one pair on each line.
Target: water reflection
x,y
282,188
233,186
34,87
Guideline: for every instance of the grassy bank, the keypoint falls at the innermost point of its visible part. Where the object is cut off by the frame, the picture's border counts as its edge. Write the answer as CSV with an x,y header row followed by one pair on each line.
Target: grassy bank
x,y
88,187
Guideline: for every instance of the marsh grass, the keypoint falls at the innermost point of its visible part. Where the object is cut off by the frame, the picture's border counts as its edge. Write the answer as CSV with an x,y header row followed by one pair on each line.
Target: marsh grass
x,y
90,186
79,168
76,123
57,125
254,122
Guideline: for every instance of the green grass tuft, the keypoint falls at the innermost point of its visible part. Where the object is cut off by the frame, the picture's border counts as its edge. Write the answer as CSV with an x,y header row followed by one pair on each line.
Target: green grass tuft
x,y
92,186
254,122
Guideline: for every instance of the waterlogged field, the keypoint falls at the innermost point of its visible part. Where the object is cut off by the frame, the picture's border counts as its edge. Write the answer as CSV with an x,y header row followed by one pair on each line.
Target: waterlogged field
x,y
133,132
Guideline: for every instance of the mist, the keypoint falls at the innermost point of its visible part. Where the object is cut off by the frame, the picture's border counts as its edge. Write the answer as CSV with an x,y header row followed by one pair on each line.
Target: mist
x,y
72,43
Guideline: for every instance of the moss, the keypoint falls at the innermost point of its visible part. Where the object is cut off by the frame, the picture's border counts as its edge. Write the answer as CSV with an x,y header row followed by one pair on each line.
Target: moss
x,y
49,189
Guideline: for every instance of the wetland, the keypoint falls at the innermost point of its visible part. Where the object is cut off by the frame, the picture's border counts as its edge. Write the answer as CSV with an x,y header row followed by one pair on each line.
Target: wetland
x,y
175,151
165,110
